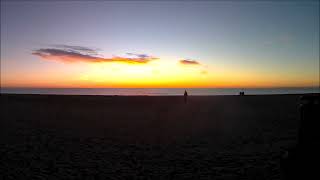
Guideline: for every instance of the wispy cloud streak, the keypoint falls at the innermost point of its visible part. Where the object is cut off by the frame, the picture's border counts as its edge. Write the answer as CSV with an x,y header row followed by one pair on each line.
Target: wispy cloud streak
x,y
66,53
189,62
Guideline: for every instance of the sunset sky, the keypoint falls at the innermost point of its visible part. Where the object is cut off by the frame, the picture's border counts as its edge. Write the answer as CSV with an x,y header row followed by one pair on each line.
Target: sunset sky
x,y
159,44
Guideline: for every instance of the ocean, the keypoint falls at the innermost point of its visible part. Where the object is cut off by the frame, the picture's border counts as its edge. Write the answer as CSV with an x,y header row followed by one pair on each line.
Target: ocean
x,y
159,91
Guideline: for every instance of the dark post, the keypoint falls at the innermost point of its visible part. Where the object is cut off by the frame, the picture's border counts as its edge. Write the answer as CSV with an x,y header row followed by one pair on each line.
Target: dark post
x,y
309,135
302,161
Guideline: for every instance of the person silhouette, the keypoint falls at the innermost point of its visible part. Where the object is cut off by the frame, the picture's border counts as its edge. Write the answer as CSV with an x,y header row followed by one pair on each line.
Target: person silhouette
x,y
185,96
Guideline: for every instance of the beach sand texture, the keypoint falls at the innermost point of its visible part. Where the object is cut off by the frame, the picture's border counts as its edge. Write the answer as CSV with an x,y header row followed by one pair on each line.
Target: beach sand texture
x,y
140,137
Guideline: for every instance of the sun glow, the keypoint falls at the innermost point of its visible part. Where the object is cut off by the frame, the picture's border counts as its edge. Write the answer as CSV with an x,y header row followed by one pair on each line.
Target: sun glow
x,y
161,73
164,73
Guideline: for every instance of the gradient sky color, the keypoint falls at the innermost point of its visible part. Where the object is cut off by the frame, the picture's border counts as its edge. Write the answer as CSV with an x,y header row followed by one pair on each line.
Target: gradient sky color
x,y
196,44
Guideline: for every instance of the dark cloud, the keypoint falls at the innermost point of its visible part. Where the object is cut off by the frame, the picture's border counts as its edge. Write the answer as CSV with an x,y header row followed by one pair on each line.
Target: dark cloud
x,y
139,55
67,53
189,62
79,49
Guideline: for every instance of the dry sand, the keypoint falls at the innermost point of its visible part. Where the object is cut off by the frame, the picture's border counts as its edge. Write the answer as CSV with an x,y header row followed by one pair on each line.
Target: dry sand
x,y
116,137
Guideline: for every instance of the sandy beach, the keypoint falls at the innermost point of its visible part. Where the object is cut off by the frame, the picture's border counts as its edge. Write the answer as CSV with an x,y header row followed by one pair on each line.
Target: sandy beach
x,y
141,137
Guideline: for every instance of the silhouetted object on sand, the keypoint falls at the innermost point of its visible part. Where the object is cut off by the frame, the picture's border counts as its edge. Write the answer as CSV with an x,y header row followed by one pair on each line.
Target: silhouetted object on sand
x,y
302,161
241,93
185,96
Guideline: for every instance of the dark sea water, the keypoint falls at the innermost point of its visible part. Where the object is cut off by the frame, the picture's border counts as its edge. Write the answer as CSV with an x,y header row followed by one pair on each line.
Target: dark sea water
x,y
158,91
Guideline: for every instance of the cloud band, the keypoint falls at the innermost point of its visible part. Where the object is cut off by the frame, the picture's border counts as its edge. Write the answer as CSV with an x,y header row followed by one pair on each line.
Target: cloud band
x,y
66,53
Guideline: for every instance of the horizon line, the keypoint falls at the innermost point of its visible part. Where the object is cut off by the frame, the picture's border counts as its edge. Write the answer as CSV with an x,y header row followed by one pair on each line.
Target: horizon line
x,y
236,87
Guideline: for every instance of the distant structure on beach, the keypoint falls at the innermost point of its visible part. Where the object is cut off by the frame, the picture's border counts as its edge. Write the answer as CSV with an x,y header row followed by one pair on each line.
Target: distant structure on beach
x,y
241,93
185,96
299,161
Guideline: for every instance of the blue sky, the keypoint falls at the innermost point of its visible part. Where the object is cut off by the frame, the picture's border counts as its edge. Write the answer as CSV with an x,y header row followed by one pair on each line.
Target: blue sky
x,y
265,37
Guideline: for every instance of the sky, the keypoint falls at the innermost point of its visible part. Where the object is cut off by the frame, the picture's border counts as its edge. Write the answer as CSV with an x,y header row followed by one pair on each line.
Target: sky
x,y
159,44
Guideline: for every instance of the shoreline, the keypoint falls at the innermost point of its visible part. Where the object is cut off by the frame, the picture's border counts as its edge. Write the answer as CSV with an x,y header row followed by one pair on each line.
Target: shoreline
x,y
18,94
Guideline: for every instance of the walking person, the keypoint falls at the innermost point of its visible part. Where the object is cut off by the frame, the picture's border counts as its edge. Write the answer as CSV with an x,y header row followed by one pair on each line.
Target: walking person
x,y
185,96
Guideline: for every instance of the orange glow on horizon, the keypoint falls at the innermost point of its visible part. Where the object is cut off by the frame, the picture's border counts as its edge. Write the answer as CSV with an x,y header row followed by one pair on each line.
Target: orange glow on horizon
x,y
156,74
